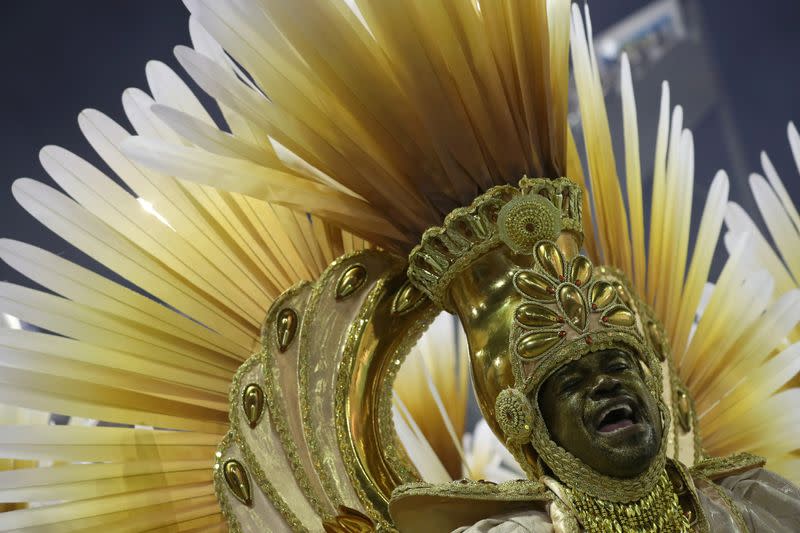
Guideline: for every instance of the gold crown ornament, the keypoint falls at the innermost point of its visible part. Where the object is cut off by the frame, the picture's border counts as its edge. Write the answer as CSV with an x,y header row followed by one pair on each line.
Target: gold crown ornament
x,y
529,302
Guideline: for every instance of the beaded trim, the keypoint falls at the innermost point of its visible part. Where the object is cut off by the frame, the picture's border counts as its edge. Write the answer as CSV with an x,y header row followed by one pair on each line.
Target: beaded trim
x,y
469,232
659,511
514,490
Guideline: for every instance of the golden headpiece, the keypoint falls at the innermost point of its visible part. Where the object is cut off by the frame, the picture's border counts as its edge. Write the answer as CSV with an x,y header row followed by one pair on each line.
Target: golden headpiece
x,y
509,266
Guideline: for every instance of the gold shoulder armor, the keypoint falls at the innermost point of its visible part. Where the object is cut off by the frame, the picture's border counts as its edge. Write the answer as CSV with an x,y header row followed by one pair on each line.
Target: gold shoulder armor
x,y
311,429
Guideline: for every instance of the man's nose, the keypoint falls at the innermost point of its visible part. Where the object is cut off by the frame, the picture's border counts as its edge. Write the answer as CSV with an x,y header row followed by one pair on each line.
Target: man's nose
x,y
603,386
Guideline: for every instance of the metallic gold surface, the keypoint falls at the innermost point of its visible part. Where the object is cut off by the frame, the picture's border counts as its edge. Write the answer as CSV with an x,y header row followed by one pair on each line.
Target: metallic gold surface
x,y
536,343
574,306
352,279
407,298
373,354
486,296
348,520
253,403
469,232
486,302
581,270
602,294
287,328
236,477
535,286
656,340
684,414
537,316
548,254
619,316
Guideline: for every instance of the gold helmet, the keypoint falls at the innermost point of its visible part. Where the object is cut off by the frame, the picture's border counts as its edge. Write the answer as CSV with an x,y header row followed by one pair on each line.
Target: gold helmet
x,y
509,266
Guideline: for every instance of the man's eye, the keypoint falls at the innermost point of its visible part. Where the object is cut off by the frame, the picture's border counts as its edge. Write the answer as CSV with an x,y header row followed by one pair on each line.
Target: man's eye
x,y
570,385
618,367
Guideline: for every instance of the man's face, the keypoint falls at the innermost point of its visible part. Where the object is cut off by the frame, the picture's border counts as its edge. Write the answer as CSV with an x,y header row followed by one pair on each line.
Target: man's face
x,y
599,409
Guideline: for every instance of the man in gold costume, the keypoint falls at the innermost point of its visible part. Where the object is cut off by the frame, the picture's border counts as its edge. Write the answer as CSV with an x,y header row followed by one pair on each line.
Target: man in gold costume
x,y
383,161
577,390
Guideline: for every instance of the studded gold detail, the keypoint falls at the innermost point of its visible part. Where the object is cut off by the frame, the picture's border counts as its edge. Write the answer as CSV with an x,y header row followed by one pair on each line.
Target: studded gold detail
x,y
623,294
654,335
602,294
287,328
550,259
571,301
536,343
253,403
619,316
348,520
470,232
557,292
658,511
238,482
536,316
526,220
684,410
581,270
514,414
535,286
352,279
408,297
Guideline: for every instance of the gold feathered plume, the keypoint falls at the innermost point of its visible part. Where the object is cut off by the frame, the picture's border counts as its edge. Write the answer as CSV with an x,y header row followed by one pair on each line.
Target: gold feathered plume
x,y
405,110
776,429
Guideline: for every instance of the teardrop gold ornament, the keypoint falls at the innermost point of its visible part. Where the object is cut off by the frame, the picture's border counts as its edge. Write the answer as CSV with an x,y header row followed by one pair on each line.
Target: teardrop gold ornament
x,y
602,294
238,482
684,411
536,343
619,316
537,316
348,520
407,298
287,328
535,286
581,271
623,294
573,305
253,403
352,279
655,340
550,259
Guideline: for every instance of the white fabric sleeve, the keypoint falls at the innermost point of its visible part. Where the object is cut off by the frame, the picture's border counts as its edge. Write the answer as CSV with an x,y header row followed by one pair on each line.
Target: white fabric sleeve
x,y
518,522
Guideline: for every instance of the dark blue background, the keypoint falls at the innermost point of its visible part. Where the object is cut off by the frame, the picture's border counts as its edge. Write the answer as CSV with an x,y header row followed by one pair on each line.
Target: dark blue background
x,y
61,57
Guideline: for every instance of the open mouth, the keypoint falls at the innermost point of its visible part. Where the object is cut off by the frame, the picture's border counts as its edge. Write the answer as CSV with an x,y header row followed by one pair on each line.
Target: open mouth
x,y
617,417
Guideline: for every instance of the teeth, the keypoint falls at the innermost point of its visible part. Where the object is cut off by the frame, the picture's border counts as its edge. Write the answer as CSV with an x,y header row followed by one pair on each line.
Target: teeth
x,y
626,410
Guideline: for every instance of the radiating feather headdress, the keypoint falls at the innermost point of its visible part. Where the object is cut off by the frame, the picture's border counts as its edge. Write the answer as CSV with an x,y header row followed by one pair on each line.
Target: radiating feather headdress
x,y
346,127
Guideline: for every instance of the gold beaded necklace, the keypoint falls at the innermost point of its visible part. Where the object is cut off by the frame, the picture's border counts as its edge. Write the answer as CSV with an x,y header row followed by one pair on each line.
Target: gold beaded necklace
x,y
659,511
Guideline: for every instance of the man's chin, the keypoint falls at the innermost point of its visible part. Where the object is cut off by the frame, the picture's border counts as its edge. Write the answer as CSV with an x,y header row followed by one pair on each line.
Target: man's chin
x,y
627,451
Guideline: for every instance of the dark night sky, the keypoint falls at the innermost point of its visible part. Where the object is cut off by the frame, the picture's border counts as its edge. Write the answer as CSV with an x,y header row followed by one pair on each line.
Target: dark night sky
x,y
61,57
